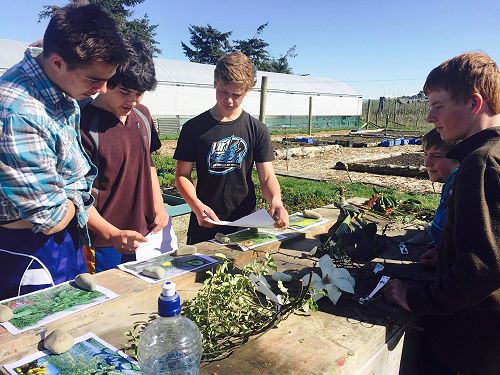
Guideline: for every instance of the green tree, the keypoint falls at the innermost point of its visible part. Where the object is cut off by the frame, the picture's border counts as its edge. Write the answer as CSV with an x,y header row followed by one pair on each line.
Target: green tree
x,y
121,11
255,48
209,44
281,64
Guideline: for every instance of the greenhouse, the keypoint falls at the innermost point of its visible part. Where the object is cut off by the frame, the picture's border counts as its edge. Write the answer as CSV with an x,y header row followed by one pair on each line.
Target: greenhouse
x,y
185,89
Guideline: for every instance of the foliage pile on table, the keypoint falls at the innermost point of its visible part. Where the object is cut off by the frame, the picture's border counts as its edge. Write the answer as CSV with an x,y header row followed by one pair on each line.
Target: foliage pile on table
x,y
405,210
228,309
352,235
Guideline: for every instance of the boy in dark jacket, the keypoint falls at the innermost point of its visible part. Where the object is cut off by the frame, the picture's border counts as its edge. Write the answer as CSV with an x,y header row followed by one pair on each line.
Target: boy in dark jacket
x,y
462,306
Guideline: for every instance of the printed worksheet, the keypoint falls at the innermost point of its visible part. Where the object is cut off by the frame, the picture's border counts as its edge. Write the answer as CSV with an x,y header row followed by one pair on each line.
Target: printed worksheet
x,y
173,266
298,222
247,239
89,355
47,305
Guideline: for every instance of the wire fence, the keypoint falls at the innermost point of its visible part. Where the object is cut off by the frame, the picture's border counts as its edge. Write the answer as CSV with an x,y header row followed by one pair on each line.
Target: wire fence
x,y
404,114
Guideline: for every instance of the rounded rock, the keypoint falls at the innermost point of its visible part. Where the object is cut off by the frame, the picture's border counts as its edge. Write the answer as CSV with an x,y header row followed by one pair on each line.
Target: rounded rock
x,y
222,238
154,271
6,313
85,281
311,214
58,342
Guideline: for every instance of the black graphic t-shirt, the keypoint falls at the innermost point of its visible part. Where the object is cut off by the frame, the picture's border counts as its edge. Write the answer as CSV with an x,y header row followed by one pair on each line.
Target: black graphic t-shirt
x,y
224,153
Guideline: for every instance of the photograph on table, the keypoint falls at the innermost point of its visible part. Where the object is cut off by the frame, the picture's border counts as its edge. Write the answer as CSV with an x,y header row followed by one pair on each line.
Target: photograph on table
x,y
89,355
298,222
171,266
250,238
44,306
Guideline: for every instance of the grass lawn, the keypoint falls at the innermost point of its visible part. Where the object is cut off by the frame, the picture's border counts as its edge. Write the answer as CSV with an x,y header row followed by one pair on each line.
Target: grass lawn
x,y
299,194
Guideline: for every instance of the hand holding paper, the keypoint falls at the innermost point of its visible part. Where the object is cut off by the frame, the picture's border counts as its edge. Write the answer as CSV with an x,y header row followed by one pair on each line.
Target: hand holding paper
x,y
164,241
257,219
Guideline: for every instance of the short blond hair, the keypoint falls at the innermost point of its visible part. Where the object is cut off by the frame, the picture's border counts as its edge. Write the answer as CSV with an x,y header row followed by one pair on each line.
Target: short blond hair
x,y
467,74
236,67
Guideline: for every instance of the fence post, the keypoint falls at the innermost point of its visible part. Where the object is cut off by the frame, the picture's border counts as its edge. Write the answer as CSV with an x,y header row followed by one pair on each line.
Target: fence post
x,y
395,110
368,112
263,95
310,114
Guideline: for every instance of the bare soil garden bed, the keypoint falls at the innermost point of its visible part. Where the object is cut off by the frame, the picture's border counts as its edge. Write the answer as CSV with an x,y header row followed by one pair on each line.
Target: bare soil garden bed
x,y
323,160
321,164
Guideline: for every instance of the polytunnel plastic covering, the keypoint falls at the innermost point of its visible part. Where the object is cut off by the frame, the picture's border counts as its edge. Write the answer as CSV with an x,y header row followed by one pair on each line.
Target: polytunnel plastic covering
x,y
185,73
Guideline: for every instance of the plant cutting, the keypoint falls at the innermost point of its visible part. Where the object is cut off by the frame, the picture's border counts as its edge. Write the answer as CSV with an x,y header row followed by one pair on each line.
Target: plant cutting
x,y
234,305
333,281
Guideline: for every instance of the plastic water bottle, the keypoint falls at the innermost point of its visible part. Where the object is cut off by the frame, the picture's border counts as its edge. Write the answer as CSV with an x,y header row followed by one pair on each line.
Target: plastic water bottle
x,y
170,345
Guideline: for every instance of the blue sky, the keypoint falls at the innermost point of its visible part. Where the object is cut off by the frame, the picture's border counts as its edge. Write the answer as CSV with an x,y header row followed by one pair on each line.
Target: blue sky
x,y
380,48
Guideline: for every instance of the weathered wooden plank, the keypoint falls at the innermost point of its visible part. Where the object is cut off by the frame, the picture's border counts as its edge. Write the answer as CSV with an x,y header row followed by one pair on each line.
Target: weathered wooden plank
x,y
338,339
113,318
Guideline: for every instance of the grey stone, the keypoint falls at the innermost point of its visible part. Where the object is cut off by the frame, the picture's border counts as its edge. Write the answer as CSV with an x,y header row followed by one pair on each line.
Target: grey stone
x,y
154,271
222,238
85,281
311,214
58,342
6,313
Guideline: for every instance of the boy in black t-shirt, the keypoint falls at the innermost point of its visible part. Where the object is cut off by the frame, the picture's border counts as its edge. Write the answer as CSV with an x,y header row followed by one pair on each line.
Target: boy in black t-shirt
x,y
224,142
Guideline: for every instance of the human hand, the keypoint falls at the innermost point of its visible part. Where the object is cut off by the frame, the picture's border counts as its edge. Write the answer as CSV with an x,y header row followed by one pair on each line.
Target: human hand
x,y
279,215
127,241
161,220
395,293
203,214
429,258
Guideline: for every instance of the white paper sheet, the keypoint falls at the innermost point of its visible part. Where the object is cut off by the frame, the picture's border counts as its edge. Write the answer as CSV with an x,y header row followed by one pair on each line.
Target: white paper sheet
x,y
257,219
163,242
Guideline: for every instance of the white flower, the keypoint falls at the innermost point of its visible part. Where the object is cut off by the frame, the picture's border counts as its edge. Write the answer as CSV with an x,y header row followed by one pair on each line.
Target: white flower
x,y
334,280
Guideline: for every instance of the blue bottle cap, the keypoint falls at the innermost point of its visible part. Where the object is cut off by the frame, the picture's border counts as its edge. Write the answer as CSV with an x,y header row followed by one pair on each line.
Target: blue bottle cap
x,y
169,303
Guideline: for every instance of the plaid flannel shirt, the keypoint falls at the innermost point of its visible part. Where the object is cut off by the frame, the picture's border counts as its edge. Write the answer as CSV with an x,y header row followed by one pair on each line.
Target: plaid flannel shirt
x,y
42,161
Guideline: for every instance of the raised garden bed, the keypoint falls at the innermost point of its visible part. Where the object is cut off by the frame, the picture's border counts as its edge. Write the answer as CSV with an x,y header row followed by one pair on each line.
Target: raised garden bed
x,y
405,165
175,205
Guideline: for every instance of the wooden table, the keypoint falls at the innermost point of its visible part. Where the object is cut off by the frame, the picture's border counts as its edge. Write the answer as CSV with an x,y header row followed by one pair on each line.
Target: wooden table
x,y
347,338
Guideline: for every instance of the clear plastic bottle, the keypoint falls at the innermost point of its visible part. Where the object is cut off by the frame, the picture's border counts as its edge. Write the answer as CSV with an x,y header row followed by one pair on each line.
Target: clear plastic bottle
x,y
170,345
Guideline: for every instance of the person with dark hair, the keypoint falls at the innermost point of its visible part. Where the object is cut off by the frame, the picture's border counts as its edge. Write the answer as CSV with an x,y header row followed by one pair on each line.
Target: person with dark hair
x,y
46,177
440,169
119,136
461,307
225,142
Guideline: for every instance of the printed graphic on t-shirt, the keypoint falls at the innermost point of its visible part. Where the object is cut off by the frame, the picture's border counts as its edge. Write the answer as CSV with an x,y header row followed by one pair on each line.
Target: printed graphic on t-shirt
x,y
226,155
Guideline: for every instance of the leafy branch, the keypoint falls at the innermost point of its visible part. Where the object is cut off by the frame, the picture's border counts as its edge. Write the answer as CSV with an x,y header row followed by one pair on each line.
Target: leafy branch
x,y
228,310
